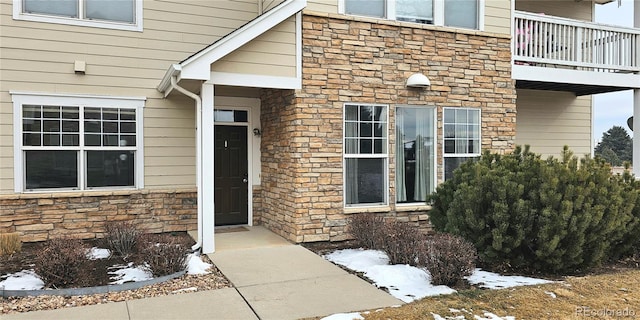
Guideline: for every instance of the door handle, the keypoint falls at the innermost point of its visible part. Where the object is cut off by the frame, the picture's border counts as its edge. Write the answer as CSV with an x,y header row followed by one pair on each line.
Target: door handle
x,y
245,178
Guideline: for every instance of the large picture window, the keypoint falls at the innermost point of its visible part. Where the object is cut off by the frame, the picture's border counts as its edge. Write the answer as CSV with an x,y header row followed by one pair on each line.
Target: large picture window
x,y
365,154
453,13
72,143
415,154
461,137
114,14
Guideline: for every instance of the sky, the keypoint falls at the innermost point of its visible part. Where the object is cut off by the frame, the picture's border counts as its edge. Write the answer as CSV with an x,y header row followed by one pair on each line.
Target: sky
x,y
613,109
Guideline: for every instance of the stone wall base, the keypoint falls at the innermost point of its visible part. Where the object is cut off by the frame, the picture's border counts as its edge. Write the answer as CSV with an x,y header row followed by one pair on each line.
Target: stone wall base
x,y
39,217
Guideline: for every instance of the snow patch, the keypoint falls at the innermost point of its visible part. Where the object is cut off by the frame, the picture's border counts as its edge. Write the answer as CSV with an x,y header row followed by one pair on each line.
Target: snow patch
x,y
195,265
551,294
129,273
491,316
492,280
96,253
404,282
190,289
344,316
22,280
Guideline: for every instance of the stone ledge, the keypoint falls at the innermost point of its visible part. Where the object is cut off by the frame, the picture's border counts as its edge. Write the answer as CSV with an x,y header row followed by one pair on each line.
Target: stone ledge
x,y
406,24
409,208
367,209
89,193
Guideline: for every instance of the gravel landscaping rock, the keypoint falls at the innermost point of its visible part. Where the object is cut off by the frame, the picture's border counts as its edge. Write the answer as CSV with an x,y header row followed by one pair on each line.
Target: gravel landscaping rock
x,y
185,284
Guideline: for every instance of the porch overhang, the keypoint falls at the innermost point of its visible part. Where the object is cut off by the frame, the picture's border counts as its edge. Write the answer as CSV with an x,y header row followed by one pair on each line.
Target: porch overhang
x,y
198,65
579,82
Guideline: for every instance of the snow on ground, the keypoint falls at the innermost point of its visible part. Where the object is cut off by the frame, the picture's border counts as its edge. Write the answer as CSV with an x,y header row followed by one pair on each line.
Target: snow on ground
x,y
404,282
23,280
492,280
410,283
129,273
98,253
195,265
29,280
344,316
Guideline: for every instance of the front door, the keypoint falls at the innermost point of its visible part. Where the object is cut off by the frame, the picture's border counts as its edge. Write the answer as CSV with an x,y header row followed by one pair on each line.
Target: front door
x,y
231,175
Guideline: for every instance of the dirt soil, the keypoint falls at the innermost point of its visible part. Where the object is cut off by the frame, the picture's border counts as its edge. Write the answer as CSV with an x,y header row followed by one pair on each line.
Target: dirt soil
x,y
97,274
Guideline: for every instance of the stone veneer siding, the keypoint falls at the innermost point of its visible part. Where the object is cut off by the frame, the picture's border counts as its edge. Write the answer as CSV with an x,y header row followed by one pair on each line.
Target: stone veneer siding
x,y
360,60
38,217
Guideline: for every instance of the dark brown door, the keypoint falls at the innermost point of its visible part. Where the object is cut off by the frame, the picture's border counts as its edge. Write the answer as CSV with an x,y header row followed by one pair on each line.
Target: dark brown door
x,y
231,178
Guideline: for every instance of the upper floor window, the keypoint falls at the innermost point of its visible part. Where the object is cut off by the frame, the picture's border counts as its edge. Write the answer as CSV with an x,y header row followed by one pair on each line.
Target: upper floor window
x,y
77,143
112,14
453,13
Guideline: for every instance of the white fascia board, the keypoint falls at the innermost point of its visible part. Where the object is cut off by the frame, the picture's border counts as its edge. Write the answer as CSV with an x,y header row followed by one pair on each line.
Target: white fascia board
x,y
198,67
253,80
165,84
532,73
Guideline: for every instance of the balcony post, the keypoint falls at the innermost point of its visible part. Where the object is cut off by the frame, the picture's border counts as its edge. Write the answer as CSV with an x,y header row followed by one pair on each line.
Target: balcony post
x,y
636,101
636,132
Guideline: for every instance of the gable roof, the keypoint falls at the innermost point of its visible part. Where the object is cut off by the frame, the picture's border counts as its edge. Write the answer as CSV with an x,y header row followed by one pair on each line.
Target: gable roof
x,y
198,65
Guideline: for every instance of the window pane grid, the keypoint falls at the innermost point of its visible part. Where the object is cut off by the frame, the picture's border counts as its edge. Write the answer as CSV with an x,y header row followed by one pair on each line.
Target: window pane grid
x,y
461,128
108,127
365,129
44,125
461,137
52,147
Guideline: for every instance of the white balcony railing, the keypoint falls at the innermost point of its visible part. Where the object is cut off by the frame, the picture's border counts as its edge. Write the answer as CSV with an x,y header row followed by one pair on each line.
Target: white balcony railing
x,y
542,40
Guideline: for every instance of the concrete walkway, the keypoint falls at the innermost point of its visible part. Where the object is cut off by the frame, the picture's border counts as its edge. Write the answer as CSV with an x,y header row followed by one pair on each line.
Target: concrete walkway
x,y
272,278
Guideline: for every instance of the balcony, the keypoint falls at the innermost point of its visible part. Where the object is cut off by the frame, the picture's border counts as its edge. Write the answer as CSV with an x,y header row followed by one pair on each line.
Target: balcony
x,y
553,53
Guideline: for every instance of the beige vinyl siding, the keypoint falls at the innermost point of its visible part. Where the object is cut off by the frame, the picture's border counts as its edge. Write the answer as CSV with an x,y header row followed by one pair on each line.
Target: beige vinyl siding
x,y
549,120
271,54
497,16
579,10
328,6
270,4
39,57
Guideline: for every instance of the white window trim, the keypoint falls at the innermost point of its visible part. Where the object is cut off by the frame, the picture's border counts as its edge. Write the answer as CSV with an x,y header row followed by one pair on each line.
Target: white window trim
x,y
18,14
21,98
435,151
461,155
384,156
438,13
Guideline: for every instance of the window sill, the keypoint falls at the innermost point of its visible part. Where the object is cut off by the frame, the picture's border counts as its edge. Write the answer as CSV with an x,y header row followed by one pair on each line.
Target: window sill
x,y
79,22
412,207
367,209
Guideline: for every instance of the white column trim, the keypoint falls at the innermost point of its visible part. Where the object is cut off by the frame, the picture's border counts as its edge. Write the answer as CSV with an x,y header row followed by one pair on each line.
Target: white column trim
x,y
636,130
207,147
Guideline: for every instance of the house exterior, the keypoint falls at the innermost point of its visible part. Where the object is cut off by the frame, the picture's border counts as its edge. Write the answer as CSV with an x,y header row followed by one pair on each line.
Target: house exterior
x,y
295,115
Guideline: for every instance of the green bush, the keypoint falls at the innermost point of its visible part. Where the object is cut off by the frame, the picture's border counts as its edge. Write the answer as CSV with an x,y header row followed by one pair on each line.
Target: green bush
x,y
551,215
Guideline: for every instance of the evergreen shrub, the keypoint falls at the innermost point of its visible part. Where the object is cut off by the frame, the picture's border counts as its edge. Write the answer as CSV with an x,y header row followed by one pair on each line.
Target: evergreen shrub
x,y
554,215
